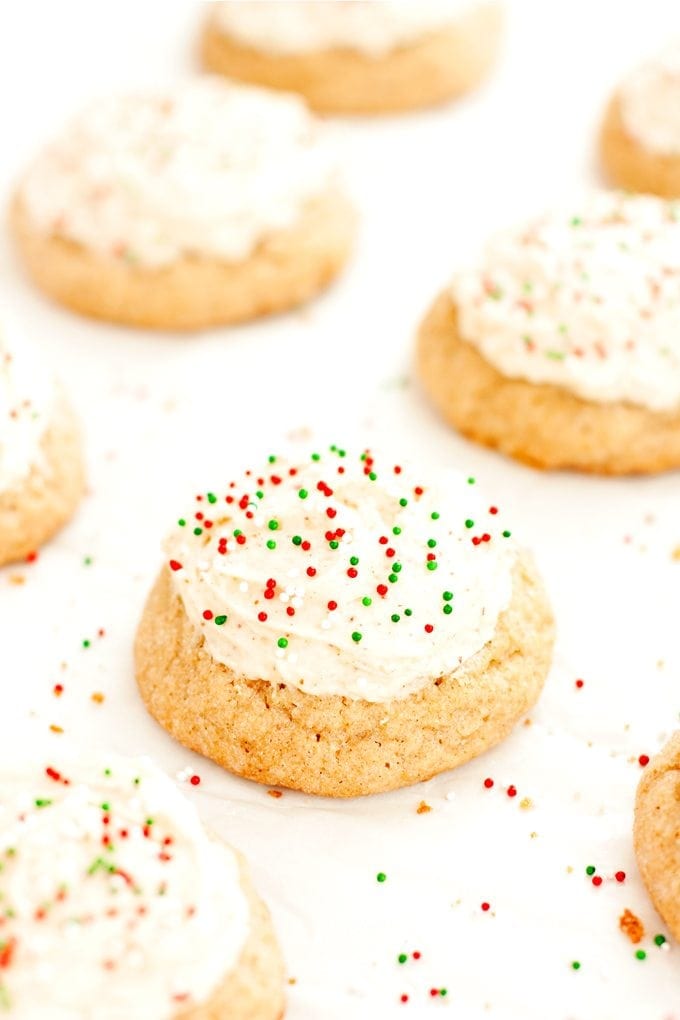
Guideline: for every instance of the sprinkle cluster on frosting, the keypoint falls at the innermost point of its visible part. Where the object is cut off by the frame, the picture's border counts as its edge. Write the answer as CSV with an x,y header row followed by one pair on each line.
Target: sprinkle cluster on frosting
x,y
113,901
373,29
589,301
207,169
650,102
26,402
340,575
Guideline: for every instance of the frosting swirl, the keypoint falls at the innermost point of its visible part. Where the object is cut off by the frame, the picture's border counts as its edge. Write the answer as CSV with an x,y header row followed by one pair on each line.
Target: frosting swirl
x,y
26,403
208,168
589,302
113,900
650,102
365,26
341,576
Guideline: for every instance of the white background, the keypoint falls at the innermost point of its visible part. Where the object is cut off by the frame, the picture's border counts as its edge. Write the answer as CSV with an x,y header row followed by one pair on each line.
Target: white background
x,y
163,415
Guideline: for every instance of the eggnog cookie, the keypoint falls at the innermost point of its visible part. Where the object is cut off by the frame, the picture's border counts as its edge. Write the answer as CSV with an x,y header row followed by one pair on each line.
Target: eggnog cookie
x,y
657,823
116,902
41,464
336,626
357,56
210,204
640,137
562,346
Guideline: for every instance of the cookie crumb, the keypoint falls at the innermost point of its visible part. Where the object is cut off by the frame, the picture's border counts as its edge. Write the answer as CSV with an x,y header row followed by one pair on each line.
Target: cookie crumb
x,y
675,555
17,579
423,808
631,926
56,729
97,697
275,794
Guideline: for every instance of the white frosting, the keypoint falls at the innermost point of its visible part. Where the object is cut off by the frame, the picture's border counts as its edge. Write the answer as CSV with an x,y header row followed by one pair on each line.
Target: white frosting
x,y
588,300
26,404
371,27
208,168
317,633
139,927
650,102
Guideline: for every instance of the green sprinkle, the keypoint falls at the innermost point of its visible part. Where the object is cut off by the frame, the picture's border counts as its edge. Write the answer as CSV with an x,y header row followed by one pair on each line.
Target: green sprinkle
x,y
641,954
42,802
356,636
354,560
447,609
393,578
576,965
381,876
333,543
403,502
590,870
87,561
555,355
198,531
471,481
219,620
506,534
271,544
434,515
372,475
296,540
431,564
366,601
107,772
86,643
396,530
105,806
431,543
182,523
273,525
271,458
260,494
576,221
237,532
402,958
282,642
408,612
302,493
136,781
395,618
396,567
659,940
469,523
316,456
212,498
442,991
447,596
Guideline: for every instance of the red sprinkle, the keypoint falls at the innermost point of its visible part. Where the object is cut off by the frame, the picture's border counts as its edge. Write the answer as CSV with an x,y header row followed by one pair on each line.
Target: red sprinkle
x,y
488,783
195,780
579,684
620,876
644,760
174,565
596,880
485,906
511,791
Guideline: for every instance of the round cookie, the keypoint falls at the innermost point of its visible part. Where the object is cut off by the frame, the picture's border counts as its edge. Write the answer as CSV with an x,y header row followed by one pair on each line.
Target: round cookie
x,y
357,57
41,461
640,134
657,822
561,347
211,204
337,627
115,893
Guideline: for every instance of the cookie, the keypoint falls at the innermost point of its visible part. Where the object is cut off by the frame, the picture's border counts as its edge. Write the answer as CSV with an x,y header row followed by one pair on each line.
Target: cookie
x,y
41,462
211,204
116,894
561,348
657,822
341,626
640,134
358,57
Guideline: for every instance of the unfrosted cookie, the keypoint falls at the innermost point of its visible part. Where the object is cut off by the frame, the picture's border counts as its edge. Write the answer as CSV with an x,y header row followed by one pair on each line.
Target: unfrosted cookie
x,y
41,462
116,902
657,825
357,56
343,626
640,136
211,203
561,347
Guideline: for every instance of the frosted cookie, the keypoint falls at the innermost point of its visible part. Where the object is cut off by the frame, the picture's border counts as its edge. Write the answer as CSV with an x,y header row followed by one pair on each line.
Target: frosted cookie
x,y
561,347
209,204
116,903
640,136
657,823
342,626
41,464
358,56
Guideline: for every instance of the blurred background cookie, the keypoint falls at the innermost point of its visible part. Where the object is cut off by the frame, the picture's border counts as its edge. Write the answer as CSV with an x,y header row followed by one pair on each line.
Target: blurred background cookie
x,y
657,823
561,346
208,204
357,56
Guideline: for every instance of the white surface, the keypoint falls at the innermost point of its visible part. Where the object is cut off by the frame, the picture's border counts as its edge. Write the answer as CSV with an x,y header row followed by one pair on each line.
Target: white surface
x,y
166,414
